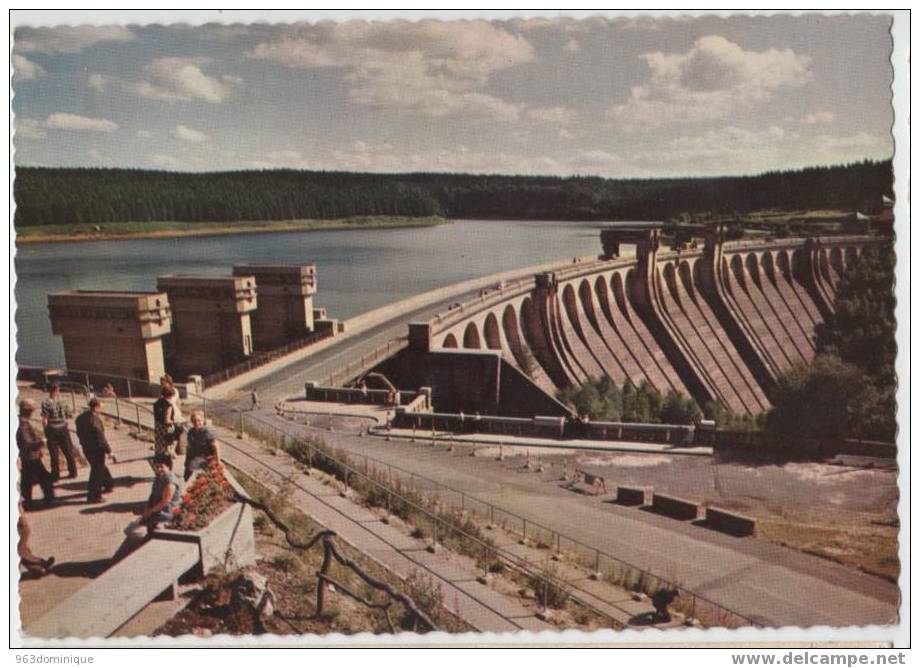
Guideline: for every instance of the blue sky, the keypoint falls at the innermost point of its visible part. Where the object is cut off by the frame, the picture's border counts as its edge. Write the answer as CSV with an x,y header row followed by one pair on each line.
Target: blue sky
x,y
609,97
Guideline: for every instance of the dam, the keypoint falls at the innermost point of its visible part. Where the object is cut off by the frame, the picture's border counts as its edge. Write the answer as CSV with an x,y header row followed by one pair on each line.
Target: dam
x,y
717,320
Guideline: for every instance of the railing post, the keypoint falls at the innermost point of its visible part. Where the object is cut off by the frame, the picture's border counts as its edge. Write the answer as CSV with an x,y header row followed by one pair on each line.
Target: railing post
x,y
137,415
117,414
128,380
239,434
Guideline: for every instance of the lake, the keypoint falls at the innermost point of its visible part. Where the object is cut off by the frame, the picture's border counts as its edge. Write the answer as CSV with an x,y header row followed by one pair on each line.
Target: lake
x,y
357,270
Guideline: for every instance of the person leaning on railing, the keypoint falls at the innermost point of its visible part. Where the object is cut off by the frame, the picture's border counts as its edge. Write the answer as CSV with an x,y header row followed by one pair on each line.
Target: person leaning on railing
x,y
202,444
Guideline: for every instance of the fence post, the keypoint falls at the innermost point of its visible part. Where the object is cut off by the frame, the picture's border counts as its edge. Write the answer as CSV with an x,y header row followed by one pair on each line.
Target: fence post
x,y
137,415
117,414
128,380
524,529
321,583
597,562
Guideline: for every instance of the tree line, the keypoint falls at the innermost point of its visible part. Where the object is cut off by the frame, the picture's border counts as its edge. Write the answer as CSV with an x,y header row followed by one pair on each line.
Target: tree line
x,y
601,399
60,196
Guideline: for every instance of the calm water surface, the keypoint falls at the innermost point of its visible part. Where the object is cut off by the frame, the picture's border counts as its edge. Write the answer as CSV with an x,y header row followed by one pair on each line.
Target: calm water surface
x,y
358,270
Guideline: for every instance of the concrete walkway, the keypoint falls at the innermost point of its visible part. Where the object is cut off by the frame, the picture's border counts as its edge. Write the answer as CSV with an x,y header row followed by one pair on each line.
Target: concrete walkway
x,y
85,539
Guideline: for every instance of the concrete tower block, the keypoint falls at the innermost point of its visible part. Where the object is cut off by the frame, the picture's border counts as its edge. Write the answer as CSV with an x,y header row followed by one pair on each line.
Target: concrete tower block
x,y
118,333
211,322
285,311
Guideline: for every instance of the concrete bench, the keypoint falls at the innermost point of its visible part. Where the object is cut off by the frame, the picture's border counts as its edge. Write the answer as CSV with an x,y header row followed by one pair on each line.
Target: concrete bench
x,y
672,506
729,522
108,602
631,496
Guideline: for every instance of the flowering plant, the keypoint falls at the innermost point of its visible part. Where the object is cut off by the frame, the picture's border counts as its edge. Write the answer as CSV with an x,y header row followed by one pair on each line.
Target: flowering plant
x,y
206,495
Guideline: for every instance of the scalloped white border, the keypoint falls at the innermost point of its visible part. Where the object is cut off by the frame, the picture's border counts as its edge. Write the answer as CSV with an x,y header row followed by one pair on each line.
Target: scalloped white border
x,y
895,636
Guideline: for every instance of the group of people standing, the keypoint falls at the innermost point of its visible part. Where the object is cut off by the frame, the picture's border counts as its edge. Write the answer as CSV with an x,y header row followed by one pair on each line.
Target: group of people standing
x,y
55,435
169,428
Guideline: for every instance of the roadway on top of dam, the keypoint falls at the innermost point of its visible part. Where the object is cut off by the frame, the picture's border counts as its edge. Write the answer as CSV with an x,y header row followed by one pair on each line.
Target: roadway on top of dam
x,y
363,335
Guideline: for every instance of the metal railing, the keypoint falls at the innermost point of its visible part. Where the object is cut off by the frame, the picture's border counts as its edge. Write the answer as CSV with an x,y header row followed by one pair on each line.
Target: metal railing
x,y
261,358
364,362
604,565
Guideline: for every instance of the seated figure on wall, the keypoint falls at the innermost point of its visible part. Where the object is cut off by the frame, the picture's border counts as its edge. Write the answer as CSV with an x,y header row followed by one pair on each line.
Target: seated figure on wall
x,y
202,444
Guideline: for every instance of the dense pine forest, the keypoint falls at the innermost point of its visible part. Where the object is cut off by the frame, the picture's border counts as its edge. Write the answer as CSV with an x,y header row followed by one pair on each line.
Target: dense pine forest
x,y
50,196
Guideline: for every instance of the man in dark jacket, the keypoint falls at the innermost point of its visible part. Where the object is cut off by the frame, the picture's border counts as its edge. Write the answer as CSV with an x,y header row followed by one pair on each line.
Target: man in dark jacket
x,y
91,432
30,446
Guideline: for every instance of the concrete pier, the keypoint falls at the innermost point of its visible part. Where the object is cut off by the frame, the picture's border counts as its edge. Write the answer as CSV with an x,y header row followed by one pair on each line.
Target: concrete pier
x,y
285,312
108,332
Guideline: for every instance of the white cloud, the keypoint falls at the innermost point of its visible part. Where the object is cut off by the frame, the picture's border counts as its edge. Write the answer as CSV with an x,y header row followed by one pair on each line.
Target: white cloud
x,y
163,160
30,128
735,150
188,134
430,68
596,161
181,79
284,156
710,81
67,39
25,70
556,115
97,82
64,121
820,117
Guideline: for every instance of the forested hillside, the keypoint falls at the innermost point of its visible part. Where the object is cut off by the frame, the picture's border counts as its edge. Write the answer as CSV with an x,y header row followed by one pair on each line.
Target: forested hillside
x,y
48,196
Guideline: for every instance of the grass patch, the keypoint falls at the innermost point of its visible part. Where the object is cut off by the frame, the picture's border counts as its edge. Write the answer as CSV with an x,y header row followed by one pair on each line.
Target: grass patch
x,y
141,230
872,549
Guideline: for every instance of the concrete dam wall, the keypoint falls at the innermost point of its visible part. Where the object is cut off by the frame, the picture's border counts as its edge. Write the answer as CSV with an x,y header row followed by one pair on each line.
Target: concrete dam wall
x,y
719,322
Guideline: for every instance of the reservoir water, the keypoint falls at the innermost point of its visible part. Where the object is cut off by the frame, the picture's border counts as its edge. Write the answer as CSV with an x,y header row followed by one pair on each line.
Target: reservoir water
x,y
357,270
